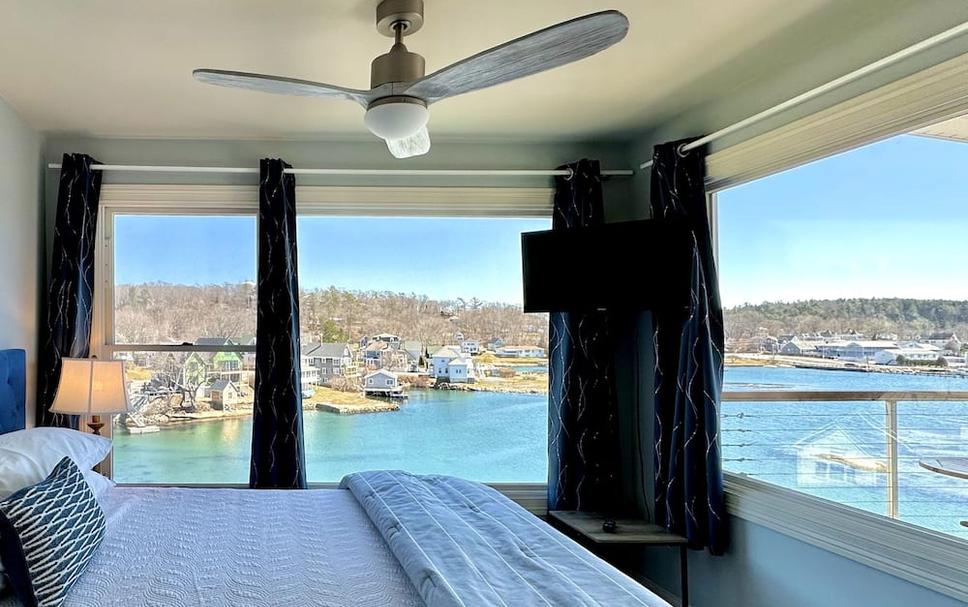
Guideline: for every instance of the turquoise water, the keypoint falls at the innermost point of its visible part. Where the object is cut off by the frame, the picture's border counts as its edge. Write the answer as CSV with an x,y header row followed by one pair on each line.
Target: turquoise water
x,y
486,436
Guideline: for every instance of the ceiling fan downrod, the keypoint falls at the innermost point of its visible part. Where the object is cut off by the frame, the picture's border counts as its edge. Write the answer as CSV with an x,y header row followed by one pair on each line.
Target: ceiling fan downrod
x,y
398,18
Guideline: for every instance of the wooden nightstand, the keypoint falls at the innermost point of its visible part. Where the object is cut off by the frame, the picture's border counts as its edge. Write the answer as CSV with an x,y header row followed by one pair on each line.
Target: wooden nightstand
x,y
634,532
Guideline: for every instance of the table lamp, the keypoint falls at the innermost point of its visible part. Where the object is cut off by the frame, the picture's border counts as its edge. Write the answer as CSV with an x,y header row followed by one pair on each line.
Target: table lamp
x,y
91,387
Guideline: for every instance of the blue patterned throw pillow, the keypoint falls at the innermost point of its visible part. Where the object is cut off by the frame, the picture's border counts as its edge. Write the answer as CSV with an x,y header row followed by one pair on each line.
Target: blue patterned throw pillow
x,y
48,533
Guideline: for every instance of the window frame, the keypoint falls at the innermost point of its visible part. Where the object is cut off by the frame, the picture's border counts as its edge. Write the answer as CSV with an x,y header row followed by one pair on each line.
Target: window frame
x,y
201,200
921,556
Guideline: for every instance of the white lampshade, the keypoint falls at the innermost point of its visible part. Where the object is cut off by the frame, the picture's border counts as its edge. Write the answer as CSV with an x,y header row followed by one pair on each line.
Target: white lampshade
x,y
396,120
91,387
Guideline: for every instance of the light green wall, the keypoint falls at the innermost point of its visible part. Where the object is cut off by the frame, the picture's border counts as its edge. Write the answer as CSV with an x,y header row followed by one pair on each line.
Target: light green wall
x,y
20,240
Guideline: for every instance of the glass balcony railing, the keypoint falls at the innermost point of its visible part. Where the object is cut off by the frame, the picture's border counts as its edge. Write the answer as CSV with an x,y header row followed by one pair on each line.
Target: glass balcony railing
x,y
896,453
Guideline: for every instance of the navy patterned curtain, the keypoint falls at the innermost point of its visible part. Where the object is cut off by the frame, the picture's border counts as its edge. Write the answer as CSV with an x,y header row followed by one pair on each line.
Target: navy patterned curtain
x,y
70,297
278,453
583,453
689,367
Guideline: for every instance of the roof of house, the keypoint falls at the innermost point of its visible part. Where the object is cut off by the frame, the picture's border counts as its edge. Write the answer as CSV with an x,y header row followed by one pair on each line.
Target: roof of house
x,y
330,350
414,348
375,346
447,352
220,385
381,372
943,335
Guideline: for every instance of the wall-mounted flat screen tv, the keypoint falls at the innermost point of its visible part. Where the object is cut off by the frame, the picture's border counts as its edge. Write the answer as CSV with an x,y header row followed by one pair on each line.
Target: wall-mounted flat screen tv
x,y
627,266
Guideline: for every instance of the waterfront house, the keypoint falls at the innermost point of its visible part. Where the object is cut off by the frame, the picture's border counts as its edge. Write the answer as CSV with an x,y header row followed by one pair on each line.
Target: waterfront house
x,y
382,383
897,356
309,373
461,370
331,359
798,347
441,358
224,394
451,365
520,352
201,367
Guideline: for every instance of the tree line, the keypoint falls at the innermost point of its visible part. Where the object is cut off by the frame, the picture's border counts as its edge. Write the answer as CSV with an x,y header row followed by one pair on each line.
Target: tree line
x,y
169,313
906,318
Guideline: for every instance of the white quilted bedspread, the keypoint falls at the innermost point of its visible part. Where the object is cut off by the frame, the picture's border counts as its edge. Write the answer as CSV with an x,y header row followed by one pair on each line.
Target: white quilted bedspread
x,y
227,547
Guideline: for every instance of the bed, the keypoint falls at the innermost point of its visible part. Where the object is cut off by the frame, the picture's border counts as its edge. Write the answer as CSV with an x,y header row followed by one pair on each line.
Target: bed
x,y
383,538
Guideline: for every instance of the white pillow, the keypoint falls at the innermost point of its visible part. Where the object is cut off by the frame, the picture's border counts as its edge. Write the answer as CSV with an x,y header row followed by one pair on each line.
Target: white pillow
x,y
98,483
28,456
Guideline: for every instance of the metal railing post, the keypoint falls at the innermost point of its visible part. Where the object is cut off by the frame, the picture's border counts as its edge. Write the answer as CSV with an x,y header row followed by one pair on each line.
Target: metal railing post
x,y
890,429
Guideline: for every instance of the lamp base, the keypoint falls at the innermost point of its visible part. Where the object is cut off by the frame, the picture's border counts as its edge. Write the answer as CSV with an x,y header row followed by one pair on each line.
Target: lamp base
x,y
95,424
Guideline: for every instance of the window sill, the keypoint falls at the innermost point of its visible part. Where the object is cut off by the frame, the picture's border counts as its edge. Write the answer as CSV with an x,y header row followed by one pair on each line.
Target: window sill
x,y
920,556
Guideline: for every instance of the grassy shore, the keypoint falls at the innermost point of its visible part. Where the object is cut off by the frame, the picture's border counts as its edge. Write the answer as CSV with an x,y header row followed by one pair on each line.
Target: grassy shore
x,y
527,383
337,397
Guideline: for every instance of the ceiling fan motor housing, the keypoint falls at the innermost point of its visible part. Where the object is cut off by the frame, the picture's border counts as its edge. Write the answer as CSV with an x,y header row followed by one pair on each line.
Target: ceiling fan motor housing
x,y
399,65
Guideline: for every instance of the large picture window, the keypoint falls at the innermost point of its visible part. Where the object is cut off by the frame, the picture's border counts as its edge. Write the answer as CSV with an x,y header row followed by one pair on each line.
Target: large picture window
x,y
416,353
846,299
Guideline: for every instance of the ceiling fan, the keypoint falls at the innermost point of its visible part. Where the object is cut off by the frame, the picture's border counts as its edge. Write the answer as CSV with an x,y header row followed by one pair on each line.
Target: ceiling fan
x,y
396,104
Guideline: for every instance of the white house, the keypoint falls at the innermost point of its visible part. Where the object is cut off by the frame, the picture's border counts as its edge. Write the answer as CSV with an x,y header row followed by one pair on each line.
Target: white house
x,y
441,358
309,374
470,346
461,371
520,352
890,357
450,365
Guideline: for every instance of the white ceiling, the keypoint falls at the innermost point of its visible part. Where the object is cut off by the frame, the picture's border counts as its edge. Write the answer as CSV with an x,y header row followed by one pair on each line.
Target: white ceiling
x,y
110,68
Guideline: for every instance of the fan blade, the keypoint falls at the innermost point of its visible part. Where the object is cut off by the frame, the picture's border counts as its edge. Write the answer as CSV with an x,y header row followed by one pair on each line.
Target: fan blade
x,y
537,52
415,145
281,86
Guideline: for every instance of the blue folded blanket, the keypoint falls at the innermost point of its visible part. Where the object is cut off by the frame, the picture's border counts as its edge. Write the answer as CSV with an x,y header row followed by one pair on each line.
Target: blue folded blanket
x,y
463,543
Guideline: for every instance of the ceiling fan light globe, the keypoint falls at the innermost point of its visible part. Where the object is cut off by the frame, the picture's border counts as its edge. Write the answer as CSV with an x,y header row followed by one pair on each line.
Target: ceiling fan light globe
x,y
415,145
396,119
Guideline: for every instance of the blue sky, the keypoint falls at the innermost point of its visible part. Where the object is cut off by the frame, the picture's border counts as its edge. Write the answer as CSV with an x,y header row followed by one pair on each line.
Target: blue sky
x,y
886,220
441,258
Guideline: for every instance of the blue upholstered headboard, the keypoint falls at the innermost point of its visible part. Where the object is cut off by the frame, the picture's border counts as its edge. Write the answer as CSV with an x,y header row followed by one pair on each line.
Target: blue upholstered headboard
x,y
13,390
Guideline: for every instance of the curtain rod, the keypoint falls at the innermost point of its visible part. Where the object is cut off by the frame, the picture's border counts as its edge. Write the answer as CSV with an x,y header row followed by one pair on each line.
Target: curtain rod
x,y
904,53
371,172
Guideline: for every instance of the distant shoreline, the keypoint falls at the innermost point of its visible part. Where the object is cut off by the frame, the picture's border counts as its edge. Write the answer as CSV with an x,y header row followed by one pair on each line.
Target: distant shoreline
x,y
825,364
